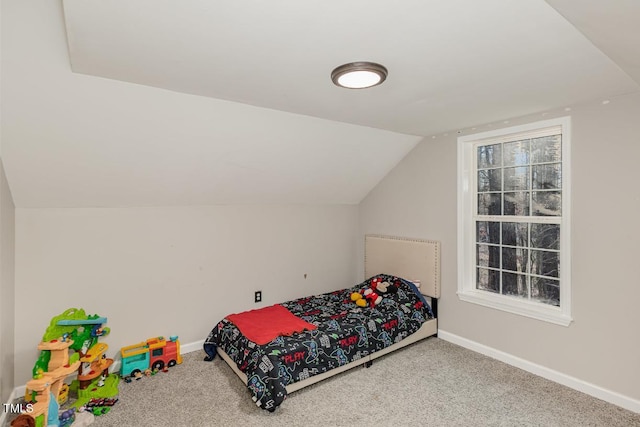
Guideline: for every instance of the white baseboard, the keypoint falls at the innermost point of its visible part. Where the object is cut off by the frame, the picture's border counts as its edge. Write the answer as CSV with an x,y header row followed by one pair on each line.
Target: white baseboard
x,y
115,367
544,372
191,347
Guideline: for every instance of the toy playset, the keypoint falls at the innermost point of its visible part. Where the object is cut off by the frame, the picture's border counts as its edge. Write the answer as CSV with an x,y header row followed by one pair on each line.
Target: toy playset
x,y
69,344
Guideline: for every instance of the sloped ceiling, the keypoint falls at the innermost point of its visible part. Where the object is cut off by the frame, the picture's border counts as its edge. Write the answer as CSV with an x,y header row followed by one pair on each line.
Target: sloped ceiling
x,y
612,26
149,103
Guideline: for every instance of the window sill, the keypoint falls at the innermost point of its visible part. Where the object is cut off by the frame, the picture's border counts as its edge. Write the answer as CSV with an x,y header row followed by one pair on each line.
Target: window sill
x,y
515,306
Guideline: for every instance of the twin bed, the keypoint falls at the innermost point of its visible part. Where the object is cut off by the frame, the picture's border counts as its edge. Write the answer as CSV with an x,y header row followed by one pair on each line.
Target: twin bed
x,y
328,333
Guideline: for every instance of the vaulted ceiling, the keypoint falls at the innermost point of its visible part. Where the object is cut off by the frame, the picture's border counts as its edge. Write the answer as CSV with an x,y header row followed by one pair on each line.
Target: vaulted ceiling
x,y
154,103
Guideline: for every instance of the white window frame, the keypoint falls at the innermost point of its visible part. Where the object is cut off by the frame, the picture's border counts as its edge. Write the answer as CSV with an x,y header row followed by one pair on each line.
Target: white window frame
x,y
467,203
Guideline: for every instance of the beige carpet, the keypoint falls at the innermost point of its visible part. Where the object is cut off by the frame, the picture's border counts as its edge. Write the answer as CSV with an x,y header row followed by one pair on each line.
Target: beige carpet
x,y
430,383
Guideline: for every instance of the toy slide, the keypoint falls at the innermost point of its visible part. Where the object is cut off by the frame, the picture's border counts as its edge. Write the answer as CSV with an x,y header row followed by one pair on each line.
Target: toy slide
x,y
95,352
59,354
49,385
98,364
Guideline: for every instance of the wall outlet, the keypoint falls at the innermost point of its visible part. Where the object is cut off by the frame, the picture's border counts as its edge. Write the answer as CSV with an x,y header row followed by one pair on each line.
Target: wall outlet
x,y
258,296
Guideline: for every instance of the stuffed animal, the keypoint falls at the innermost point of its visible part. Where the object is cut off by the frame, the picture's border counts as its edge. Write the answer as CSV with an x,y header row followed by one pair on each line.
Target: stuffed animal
x,y
23,420
375,281
368,296
358,298
372,297
386,288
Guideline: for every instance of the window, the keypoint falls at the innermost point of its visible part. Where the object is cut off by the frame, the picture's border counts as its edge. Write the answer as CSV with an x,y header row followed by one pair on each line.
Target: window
x,y
513,220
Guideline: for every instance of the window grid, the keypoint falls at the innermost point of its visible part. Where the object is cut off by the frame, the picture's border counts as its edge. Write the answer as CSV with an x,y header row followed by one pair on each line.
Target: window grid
x,y
529,248
549,194
505,217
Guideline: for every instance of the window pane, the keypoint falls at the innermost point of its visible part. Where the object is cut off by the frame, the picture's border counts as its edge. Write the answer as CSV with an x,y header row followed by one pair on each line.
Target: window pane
x,y
489,180
516,153
488,256
546,203
515,234
488,232
516,178
487,280
516,203
545,290
514,259
545,236
545,263
546,149
519,182
546,176
489,204
489,156
514,284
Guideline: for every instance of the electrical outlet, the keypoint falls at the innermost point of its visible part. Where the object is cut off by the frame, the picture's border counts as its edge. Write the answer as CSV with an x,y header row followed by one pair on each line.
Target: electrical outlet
x,y
258,296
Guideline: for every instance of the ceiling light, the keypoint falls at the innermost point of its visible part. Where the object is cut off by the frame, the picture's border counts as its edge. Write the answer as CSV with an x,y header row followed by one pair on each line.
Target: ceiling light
x,y
359,75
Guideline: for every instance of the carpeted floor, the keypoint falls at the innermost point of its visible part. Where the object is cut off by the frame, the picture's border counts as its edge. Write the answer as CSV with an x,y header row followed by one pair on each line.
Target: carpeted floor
x,y
432,383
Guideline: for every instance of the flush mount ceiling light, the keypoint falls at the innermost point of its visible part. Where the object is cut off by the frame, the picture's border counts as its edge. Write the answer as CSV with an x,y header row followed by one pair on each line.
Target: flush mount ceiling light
x,y
359,75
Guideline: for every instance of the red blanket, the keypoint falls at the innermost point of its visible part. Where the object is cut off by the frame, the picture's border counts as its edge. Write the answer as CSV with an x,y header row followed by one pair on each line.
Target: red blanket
x,y
265,324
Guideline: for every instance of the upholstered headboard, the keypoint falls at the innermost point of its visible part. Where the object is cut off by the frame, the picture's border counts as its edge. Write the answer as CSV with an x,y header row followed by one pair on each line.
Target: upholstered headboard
x,y
411,259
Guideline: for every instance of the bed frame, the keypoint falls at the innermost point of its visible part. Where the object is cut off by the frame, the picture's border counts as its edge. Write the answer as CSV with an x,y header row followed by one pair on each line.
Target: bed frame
x,y
411,259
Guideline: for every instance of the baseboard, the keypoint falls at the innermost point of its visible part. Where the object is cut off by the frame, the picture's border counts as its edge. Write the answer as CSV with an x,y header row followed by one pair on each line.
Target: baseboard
x,y
544,372
191,347
115,367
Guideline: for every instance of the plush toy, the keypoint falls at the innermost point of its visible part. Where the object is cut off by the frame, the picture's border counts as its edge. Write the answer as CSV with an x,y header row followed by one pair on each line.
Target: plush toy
x,y
375,282
358,299
23,420
386,288
366,297
372,295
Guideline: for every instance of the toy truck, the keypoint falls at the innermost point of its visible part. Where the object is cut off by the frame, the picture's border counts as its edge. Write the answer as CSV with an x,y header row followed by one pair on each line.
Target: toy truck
x,y
155,354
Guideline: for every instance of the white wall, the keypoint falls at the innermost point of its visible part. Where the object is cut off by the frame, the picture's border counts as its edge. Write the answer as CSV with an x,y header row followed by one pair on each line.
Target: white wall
x,y
7,319
166,271
601,346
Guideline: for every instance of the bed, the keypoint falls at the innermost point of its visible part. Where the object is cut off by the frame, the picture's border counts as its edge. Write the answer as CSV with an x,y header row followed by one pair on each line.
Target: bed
x,y
335,334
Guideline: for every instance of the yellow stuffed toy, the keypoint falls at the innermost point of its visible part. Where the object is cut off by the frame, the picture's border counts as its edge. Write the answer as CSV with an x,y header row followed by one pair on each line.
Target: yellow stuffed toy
x,y
358,299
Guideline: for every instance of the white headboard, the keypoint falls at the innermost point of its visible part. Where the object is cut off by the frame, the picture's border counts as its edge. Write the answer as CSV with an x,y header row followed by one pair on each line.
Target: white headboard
x,y
411,259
